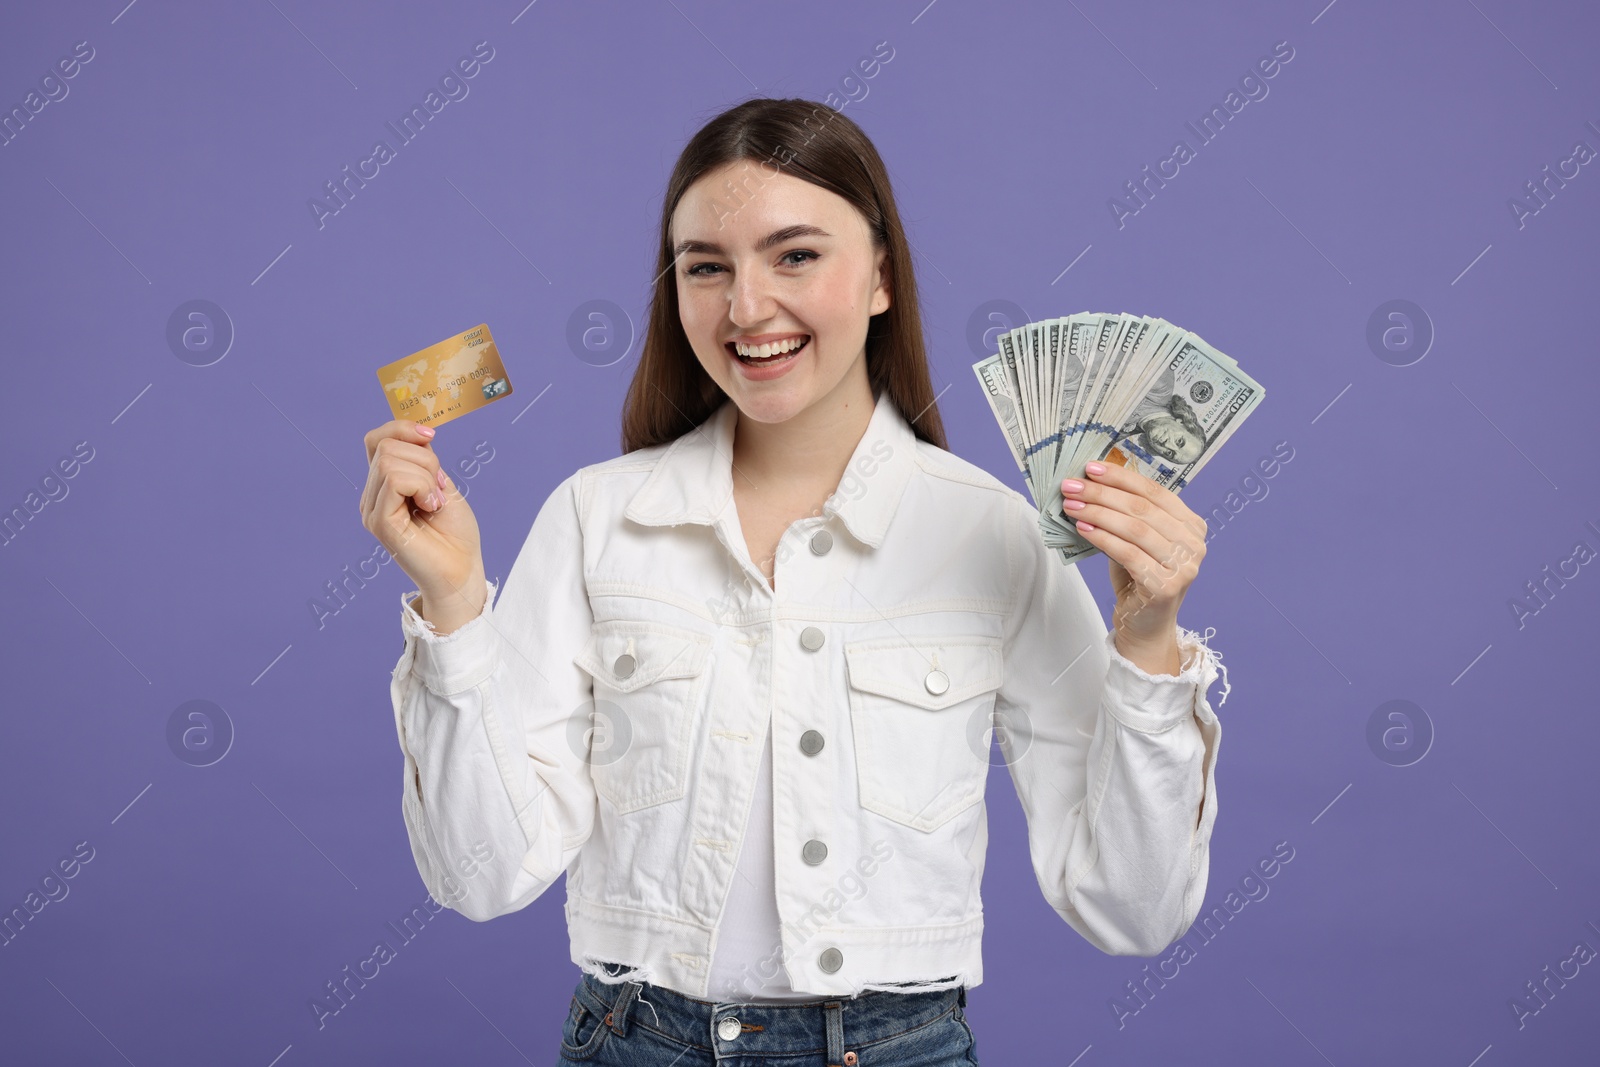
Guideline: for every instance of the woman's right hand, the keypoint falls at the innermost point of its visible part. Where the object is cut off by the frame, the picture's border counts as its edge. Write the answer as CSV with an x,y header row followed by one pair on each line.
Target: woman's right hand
x,y
414,510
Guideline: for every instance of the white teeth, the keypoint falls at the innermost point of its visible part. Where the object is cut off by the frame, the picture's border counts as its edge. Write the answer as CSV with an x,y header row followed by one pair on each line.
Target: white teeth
x,y
767,351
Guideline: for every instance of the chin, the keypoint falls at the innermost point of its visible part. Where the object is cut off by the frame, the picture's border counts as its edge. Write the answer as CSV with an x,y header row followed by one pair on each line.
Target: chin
x,y
770,408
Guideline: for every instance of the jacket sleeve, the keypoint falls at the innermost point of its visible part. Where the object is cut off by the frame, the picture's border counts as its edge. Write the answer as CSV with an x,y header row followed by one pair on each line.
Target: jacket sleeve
x,y
492,720
1114,766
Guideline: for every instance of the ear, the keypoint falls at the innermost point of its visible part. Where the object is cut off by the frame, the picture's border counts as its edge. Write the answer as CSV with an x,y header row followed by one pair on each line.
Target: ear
x,y
881,295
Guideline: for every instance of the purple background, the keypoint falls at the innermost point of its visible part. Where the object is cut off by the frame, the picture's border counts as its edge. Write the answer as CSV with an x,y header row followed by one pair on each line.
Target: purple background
x,y
1379,565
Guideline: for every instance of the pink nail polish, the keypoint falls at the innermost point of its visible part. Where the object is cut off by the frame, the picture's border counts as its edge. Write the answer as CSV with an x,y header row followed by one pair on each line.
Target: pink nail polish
x,y
1094,467
1087,526
1073,505
426,431
1072,485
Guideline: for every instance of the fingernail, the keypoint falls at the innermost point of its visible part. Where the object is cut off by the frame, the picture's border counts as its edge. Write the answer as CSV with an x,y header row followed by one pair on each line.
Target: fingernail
x,y
438,476
433,500
1094,467
1087,526
426,431
1072,485
1073,505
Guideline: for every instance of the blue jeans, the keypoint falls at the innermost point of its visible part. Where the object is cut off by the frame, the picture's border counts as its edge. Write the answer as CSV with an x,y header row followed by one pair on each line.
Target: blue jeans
x,y
640,1024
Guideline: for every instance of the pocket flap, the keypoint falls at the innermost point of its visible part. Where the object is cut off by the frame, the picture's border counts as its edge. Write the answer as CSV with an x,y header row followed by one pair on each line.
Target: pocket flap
x,y
900,668
658,651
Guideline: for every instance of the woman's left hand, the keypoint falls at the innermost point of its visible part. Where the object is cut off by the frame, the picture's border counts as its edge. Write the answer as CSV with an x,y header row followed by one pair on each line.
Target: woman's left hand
x,y
1154,544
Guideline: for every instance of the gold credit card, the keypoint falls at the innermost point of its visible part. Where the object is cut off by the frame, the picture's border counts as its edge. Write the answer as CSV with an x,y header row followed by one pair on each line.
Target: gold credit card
x,y
458,375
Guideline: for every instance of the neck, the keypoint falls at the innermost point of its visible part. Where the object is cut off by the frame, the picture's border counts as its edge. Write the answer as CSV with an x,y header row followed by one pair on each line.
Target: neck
x,y
810,448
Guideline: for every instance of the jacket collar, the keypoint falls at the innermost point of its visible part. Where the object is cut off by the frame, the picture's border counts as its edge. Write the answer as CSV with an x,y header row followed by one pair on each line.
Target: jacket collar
x,y
693,479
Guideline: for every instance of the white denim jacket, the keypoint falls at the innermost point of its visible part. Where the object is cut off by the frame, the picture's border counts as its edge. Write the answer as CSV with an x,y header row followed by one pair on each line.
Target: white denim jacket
x,y
606,713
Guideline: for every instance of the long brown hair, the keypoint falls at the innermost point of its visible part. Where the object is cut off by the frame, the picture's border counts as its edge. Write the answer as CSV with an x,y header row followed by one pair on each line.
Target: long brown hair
x,y
671,393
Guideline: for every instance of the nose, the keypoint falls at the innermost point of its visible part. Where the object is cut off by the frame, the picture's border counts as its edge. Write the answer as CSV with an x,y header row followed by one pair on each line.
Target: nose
x,y
750,300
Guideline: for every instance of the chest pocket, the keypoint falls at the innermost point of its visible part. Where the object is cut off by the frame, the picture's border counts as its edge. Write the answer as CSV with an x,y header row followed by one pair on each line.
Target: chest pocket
x,y
649,684
921,714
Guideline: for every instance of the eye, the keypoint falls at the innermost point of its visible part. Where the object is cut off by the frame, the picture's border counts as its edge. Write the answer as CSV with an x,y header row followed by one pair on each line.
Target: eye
x,y
695,272
797,252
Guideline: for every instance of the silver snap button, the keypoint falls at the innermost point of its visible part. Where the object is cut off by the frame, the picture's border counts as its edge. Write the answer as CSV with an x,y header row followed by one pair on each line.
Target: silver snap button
x,y
814,852
624,665
830,960
821,541
811,742
936,682
728,1028
811,638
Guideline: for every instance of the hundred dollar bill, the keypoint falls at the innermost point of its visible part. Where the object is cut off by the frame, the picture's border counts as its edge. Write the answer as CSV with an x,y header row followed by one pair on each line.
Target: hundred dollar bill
x,y
1133,390
1003,402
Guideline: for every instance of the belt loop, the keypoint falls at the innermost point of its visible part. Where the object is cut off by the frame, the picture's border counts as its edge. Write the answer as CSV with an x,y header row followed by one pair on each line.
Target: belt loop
x,y
833,1016
962,997
617,1017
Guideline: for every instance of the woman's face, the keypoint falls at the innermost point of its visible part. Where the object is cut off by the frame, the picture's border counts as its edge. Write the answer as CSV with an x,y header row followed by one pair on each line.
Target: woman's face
x,y
766,257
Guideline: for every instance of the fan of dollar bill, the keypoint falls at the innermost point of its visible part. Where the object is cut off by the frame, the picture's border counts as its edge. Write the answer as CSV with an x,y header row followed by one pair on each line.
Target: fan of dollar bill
x,y
1125,389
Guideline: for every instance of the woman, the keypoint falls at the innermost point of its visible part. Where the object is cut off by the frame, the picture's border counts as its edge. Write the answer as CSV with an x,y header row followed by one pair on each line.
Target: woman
x,y
740,683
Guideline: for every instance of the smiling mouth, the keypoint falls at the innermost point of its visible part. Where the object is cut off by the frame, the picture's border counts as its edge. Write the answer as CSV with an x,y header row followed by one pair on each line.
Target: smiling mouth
x,y
756,361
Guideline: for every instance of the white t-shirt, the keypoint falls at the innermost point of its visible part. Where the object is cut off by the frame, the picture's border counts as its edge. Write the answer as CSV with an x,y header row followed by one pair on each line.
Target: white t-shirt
x,y
747,963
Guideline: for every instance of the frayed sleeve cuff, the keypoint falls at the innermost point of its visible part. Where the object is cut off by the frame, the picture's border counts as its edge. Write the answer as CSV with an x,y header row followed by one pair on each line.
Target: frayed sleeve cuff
x,y
449,663
1154,703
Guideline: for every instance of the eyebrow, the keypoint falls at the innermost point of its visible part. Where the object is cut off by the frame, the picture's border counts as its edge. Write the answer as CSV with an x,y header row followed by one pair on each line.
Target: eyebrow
x,y
787,233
